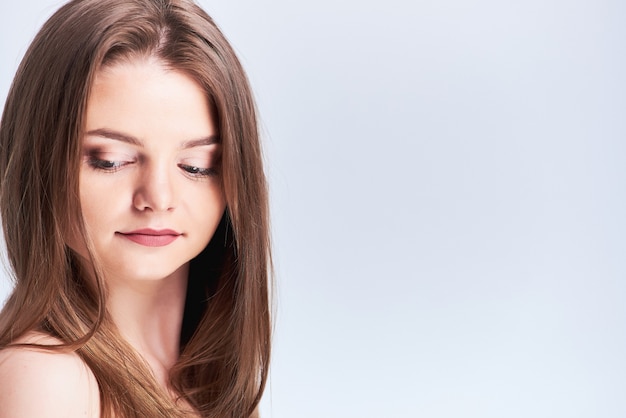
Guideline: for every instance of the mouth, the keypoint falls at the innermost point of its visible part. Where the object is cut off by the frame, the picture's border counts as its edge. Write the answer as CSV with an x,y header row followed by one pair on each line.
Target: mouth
x,y
151,237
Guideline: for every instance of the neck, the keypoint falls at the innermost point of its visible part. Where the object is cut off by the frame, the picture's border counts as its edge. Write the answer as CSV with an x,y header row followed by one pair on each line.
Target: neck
x,y
149,316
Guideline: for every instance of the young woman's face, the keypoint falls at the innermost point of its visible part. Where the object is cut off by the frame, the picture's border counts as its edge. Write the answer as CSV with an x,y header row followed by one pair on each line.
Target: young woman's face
x,y
150,187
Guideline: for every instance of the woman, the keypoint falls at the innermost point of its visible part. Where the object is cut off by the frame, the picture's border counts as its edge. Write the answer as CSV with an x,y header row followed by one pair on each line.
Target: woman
x,y
134,209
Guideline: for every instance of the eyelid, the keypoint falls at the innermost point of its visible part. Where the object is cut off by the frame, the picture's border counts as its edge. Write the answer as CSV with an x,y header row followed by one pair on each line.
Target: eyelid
x,y
198,172
200,159
107,165
117,149
106,160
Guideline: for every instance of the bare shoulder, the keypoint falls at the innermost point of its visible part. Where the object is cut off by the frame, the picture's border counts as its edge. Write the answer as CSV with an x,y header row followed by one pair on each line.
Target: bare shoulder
x,y
37,383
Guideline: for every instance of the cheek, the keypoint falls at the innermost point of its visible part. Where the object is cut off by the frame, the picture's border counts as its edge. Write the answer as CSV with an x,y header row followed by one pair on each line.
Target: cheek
x,y
97,201
208,210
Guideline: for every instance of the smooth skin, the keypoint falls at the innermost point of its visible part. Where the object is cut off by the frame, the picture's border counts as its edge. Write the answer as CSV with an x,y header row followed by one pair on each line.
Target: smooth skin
x,y
150,164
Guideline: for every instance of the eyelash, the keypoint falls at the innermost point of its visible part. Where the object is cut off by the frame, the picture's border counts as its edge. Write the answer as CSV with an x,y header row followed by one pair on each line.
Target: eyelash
x,y
113,166
106,165
197,171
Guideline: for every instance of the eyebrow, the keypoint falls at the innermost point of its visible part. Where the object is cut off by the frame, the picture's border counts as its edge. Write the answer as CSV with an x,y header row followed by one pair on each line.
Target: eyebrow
x,y
207,140
118,136
129,139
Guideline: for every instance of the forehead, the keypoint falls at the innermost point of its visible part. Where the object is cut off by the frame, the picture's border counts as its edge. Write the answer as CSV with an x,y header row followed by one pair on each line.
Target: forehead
x,y
144,98
136,71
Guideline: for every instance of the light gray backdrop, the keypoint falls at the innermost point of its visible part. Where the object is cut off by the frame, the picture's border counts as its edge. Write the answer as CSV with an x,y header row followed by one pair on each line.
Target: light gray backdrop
x,y
448,201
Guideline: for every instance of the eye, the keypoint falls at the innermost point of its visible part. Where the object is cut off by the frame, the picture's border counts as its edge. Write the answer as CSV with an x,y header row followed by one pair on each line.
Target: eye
x,y
106,165
197,171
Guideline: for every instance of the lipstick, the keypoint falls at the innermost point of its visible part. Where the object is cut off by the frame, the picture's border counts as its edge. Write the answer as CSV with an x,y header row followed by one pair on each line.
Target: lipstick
x,y
151,237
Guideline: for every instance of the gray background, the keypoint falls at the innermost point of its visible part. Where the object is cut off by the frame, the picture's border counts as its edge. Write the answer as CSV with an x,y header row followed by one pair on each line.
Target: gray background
x,y
447,185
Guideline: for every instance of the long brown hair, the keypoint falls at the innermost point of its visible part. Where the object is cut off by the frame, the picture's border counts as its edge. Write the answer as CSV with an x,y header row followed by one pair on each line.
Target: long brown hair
x,y
225,343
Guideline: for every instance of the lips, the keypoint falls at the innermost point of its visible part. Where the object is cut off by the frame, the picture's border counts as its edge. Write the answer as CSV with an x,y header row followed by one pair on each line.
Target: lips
x,y
151,237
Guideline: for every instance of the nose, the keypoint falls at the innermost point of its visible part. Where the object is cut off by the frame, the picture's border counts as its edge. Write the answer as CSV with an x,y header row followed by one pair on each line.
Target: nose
x,y
154,190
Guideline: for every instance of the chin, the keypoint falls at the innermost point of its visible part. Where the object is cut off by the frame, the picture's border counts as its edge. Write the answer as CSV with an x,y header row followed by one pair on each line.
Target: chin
x,y
149,273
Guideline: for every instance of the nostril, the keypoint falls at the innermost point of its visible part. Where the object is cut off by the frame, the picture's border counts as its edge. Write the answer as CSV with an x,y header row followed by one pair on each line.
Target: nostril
x,y
155,193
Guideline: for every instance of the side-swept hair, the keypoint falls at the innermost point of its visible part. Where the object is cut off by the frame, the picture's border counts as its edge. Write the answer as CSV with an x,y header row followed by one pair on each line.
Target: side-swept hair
x,y
225,343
